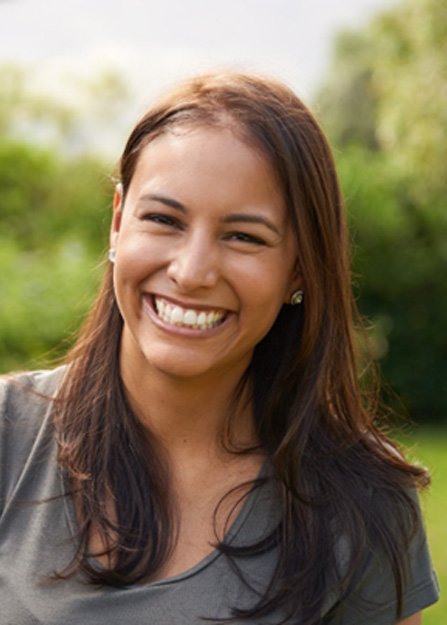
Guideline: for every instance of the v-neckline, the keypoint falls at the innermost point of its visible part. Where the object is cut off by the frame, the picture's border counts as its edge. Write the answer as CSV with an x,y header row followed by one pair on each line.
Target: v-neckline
x,y
250,500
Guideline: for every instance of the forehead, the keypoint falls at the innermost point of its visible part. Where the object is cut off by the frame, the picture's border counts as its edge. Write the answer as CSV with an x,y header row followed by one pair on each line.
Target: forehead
x,y
216,161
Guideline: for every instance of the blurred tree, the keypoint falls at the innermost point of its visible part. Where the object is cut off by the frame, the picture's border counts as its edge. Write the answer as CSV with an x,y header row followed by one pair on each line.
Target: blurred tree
x,y
385,107
54,211
24,111
74,117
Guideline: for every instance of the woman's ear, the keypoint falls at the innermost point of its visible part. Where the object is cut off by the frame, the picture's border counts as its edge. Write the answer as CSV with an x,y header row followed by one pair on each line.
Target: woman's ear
x,y
117,214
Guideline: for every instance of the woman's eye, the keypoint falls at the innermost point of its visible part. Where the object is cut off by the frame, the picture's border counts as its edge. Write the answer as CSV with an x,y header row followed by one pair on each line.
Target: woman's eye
x,y
243,237
163,220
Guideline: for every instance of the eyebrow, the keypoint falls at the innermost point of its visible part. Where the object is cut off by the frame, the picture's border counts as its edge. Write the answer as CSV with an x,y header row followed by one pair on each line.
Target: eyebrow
x,y
228,219
164,200
251,219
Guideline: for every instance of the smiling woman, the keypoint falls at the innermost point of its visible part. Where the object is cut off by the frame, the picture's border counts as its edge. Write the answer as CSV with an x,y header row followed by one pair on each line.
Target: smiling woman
x,y
206,453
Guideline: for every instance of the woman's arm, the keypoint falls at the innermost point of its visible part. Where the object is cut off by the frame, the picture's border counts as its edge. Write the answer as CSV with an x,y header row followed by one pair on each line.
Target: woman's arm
x,y
415,619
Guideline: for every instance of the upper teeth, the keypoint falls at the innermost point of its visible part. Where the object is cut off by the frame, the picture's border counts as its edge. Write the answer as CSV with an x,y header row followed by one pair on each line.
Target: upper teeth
x,y
176,315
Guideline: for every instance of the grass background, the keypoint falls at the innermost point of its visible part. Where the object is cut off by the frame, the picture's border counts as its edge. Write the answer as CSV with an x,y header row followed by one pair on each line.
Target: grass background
x,y
429,447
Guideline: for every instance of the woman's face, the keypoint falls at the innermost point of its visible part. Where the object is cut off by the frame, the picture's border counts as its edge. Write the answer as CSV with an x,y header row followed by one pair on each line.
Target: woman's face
x,y
205,257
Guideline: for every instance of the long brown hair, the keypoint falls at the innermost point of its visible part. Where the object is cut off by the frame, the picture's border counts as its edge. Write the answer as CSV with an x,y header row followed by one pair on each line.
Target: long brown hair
x,y
316,424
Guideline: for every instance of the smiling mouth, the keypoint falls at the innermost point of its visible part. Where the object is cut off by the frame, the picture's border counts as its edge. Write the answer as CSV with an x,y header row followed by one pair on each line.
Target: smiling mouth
x,y
175,315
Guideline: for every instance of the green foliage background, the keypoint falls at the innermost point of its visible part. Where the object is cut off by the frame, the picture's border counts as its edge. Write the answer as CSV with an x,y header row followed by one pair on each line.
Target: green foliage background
x,y
54,213
384,106
53,226
54,217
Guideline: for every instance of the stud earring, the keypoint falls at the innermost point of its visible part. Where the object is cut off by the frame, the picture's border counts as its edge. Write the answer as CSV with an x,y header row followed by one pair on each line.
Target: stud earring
x,y
296,298
112,254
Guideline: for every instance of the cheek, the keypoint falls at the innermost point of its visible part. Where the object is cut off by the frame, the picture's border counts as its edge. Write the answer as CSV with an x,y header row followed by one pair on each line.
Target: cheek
x,y
262,295
269,282
136,256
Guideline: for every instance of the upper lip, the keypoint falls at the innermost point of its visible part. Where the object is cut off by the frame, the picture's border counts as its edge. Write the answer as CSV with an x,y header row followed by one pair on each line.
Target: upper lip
x,y
187,305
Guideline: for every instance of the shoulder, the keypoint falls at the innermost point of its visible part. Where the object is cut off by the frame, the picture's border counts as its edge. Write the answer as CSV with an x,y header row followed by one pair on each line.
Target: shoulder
x,y
381,549
20,388
371,597
26,401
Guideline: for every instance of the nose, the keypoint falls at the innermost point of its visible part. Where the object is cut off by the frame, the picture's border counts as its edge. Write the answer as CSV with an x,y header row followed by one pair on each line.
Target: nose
x,y
194,264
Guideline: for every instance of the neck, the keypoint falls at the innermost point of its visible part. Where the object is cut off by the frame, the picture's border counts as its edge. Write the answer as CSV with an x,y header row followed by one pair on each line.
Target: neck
x,y
189,415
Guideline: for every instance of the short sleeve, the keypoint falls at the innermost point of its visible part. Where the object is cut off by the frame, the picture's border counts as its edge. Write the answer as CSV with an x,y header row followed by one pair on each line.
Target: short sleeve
x,y
25,405
373,601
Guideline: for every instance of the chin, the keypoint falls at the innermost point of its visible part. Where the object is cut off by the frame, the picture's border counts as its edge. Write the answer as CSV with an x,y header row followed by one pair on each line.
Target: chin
x,y
175,365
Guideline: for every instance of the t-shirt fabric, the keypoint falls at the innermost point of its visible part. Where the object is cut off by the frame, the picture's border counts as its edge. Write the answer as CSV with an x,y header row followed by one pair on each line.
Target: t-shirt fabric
x,y
37,524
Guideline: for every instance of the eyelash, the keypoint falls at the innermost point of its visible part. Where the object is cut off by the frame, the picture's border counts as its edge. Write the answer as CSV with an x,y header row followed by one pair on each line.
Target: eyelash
x,y
167,220
243,237
163,220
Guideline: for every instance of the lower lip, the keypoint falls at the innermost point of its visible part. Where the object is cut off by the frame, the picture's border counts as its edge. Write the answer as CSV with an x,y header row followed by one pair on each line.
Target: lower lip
x,y
182,330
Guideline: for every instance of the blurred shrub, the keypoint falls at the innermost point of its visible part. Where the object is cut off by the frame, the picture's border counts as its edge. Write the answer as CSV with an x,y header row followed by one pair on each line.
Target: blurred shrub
x,y
54,213
385,107
45,294
55,207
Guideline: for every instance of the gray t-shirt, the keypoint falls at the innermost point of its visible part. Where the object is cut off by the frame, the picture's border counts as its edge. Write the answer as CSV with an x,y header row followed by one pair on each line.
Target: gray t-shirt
x,y
35,542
